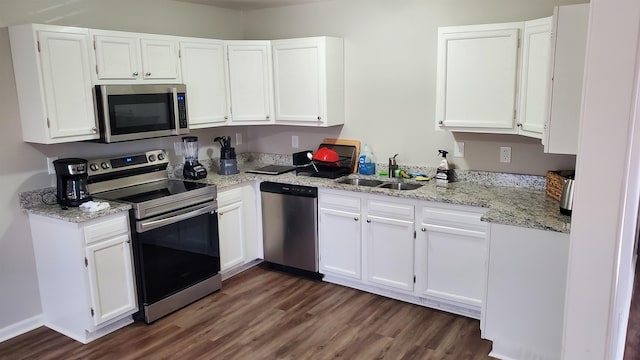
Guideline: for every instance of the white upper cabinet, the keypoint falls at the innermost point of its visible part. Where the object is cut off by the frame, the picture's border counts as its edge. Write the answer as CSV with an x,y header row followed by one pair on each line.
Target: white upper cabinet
x,y
125,58
477,77
569,39
204,73
534,77
250,82
309,81
52,68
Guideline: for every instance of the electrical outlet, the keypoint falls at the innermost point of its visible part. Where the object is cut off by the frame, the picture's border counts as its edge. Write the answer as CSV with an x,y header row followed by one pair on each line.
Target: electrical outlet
x,y
505,154
458,149
50,169
238,138
177,147
294,141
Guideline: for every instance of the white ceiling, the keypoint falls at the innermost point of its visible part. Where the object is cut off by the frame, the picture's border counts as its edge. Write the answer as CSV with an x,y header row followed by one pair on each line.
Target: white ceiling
x,y
251,4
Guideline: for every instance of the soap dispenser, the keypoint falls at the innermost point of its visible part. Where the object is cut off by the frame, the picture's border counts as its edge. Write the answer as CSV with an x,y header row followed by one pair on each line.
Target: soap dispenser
x,y
442,172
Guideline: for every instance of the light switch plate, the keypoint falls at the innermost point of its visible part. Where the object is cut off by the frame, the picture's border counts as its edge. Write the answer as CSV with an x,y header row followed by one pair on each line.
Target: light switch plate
x,y
238,138
177,147
294,141
458,149
50,168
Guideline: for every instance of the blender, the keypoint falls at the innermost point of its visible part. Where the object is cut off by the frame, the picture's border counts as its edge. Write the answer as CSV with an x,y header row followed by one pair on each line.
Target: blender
x,y
192,168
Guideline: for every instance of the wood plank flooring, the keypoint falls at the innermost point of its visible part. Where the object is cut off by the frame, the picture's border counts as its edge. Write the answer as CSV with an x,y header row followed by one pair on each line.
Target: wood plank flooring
x,y
263,314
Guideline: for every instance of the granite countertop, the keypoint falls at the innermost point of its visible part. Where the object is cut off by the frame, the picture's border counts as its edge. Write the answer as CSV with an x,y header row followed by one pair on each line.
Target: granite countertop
x,y
506,205
42,202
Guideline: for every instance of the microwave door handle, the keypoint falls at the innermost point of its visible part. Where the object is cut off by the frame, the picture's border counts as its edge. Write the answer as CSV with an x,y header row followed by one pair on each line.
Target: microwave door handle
x,y
176,115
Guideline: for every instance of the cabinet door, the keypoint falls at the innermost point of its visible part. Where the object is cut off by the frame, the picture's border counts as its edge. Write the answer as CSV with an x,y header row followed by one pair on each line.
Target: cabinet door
x,y
476,78
535,77
339,240
203,71
231,229
453,263
299,79
111,281
249,69
569,36
117,57
390,252
67,84
159,59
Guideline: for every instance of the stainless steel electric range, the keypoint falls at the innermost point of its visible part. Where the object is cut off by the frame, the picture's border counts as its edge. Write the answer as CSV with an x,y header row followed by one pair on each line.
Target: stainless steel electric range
x,y
174,228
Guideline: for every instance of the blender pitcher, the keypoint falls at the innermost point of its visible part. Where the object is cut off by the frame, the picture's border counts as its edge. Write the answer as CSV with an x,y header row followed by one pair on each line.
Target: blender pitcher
x,y
192,168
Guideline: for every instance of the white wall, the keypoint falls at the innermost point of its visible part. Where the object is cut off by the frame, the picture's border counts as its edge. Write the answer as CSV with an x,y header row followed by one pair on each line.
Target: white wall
x,y
390,69
23,165
603,226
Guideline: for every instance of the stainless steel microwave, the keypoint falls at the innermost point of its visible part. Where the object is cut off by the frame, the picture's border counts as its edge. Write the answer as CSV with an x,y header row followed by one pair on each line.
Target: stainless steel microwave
x,y
133,112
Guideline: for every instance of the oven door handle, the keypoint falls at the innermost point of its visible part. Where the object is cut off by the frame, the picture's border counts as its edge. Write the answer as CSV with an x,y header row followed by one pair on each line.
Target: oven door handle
x,y
171,218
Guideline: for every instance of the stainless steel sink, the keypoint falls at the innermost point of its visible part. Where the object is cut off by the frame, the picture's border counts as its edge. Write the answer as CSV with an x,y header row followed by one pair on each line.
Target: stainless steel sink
x,y
360,182
400,186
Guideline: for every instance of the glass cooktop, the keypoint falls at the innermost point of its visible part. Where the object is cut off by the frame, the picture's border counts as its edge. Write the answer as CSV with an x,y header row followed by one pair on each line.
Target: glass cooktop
x,y
150,191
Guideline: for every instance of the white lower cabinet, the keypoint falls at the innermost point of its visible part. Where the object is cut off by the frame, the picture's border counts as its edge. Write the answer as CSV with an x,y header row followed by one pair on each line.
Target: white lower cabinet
x,y
389,243
339,237
526,280
450,253
389,253
85,274
237,227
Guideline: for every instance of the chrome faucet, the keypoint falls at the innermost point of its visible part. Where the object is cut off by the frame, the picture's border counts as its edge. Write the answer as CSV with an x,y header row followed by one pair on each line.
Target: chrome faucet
x,y
393,166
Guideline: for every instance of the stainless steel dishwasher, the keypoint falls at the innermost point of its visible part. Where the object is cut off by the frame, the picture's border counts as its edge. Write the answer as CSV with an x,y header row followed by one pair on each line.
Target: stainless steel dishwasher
x,y
290,225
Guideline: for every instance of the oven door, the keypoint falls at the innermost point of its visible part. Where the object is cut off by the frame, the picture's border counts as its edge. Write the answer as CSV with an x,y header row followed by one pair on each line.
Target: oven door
x,y
132,112
175,251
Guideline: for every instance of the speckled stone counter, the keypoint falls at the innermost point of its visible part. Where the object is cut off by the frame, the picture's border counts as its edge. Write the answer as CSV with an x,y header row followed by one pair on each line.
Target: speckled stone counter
x,y
507,205
42,202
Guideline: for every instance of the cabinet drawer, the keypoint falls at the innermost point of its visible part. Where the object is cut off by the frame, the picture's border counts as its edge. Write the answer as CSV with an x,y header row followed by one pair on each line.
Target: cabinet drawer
x,y
390,209
106,229
227,197
451,216
338,201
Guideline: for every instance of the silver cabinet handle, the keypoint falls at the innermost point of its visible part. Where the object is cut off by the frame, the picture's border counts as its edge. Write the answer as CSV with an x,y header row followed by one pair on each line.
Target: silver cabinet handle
x,y
519,125
369,221
440,122
147,74
424,229
226,118
135,74
319,118
220,213
356,219
268,117
94,130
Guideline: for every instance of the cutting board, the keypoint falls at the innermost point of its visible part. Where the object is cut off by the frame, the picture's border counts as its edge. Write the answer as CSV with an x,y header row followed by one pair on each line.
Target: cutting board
x,y
355,143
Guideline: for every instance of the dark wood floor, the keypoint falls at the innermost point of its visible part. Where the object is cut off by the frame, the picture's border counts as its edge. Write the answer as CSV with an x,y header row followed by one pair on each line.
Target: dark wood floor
x,y
262,314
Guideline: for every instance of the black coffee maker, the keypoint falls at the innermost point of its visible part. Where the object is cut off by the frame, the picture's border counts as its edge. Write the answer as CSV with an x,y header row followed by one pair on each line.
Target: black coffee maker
x,y
71,176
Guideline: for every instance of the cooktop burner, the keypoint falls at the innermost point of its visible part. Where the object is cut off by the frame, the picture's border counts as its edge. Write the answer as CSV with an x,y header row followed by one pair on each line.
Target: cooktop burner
x,y
151,191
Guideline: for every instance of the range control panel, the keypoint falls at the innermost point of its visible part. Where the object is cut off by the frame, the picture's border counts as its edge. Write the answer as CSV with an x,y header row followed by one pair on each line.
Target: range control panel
x,y
110,165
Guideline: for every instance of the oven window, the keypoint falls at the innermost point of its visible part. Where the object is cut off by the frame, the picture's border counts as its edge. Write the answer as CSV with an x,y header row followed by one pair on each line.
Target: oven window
x,y
140,113
176,256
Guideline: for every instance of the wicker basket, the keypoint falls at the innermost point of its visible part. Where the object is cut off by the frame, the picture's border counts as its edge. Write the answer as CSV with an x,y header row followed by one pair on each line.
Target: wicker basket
x,y
555,182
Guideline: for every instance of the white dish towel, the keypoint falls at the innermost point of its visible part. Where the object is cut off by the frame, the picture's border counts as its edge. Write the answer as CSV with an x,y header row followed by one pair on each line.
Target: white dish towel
x,y
93,206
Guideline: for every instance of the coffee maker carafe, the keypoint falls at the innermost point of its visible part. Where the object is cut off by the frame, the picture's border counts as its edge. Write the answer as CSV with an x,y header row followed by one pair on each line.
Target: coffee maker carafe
x,y
228,161
192,168
71,181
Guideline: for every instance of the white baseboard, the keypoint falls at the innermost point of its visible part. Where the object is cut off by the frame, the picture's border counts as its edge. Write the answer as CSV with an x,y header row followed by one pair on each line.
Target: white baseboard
x,y
21,327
